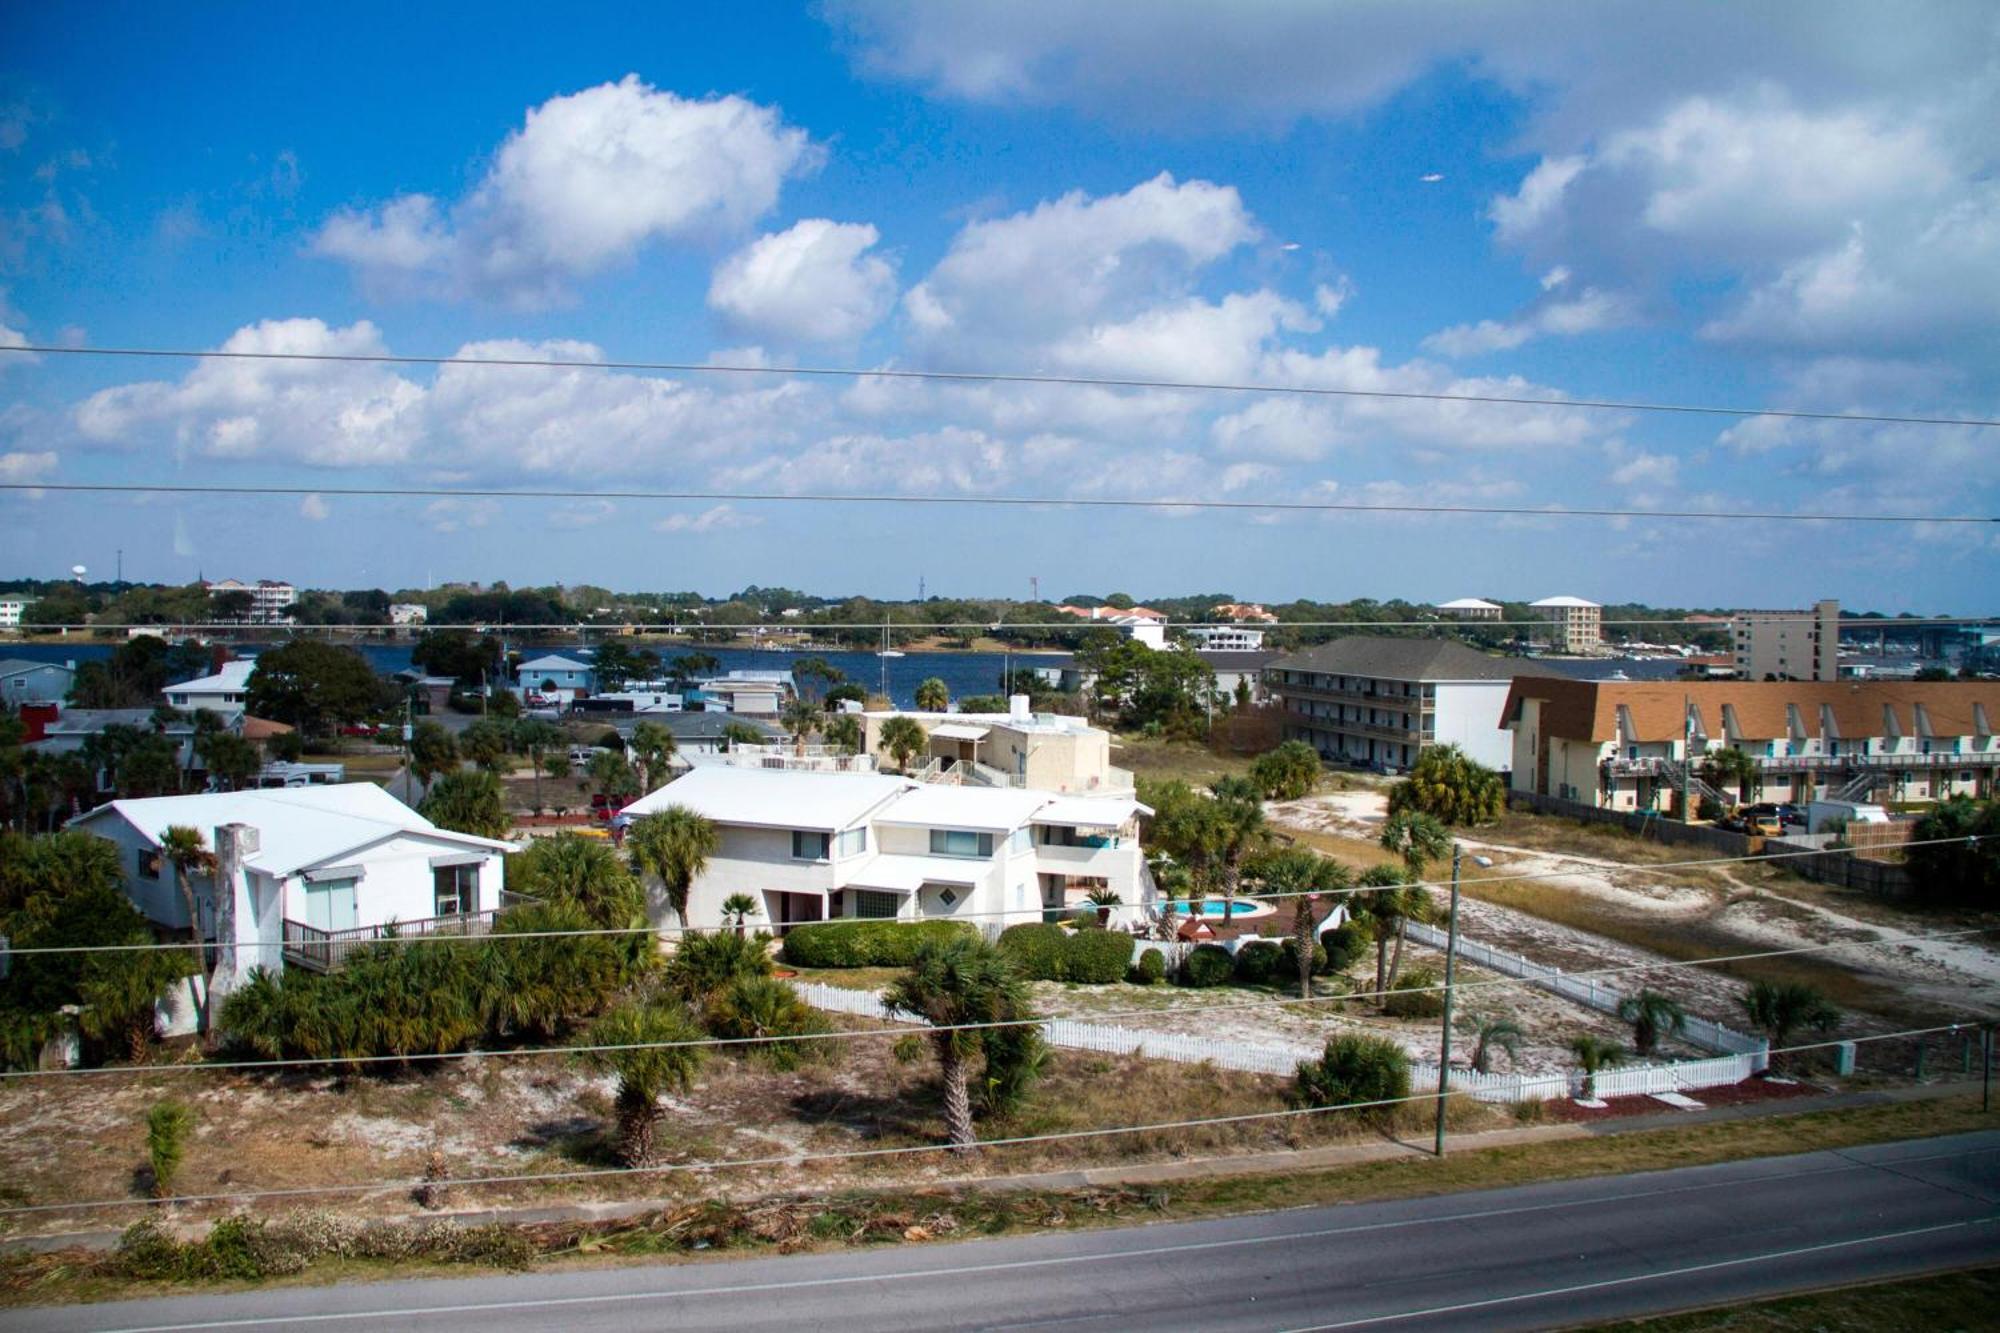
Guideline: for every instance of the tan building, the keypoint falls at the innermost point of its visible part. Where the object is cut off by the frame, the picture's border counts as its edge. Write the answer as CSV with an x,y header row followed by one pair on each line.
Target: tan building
x,y
1625,745
1470,608
1037,751
1788,645
1575,626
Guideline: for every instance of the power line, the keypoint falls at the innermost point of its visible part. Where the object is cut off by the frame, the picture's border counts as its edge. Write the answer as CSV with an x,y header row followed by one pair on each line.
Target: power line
x,y
1718,624
854,1034
1004,377
1075,502
798,1159
1353,890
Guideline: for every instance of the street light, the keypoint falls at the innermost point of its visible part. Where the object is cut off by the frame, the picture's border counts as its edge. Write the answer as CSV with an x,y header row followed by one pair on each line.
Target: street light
x,y
1450,970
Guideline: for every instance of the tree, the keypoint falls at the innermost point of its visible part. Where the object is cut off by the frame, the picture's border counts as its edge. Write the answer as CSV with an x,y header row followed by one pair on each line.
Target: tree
x,y
612,776
231,604
646,1065
152,767
1594,1053
1454,789
1239,831
902,738
467,802
737,909
740,733
845,692
459,653
615,663
653,746
673,845
1651,1014
1954,854
1299,876
951,983
536,739
933,695
1388,899
167,1126
187,852
1781,1008
1495,1034
1419,839
316,687
843,732
286,745
230,760
1371,1074
584,872
1287,773
801,717
1729,764
489,744
433,752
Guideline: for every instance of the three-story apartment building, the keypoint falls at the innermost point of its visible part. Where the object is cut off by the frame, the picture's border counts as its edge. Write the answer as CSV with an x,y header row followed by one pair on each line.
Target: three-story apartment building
x,y
1627,745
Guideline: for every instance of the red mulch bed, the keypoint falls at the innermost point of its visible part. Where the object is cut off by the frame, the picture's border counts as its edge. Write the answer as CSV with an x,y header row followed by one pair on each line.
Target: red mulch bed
x,y
1736,1094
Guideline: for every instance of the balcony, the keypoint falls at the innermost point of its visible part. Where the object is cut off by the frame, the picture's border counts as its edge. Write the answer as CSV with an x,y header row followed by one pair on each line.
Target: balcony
x,y
1364,698
1654,765
319,950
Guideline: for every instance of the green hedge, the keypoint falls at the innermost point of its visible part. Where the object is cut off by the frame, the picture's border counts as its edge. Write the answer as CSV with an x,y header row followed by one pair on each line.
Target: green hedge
x,y
1289,966
1207,965
1150,970
1344,944
1413,997
1257,962
866,943
1047,952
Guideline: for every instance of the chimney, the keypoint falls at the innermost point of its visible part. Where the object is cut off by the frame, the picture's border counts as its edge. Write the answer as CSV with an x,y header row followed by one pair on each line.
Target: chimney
x,y
236,914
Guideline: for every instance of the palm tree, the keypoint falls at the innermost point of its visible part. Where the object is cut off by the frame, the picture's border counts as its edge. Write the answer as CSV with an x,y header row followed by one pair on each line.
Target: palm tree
x,y
1651,1014
1240,832
740,733
903,737
654,746
1594,1053
583,872
1387,895
1495,1034
433,752
488,744
843,732
612,775
1171,878
230,760
184,849
953,982
1727,765
647,1072
1419,839
674,845
802,717
1783,1007
1299,876
536,738
933,695
738,908
467,802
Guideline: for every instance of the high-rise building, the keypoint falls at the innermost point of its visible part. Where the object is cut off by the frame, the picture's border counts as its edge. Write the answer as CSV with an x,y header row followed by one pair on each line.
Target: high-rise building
x,y
1576,626
1788,645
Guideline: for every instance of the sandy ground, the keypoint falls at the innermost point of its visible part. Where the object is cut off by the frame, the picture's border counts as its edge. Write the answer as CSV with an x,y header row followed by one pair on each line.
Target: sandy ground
x,y
1960,974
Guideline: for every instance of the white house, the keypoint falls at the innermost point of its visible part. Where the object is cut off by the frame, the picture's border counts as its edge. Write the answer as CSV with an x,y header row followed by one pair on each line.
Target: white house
x,y
810,846
409,613
12,609
758,693
226,693
303,873
1224,638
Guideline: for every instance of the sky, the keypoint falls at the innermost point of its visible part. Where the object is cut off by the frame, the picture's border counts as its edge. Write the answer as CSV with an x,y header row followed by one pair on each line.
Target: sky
x,y
1788,206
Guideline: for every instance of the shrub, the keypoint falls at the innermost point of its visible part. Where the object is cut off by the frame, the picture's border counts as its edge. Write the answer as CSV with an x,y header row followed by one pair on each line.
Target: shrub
x,y
1257,963
1288,772
763,1006
866,943
1356,1069
1412,997
167,1126
1207,965
1036,949
1150,970
704,964
611,740
1096,957
1345,944
1288,965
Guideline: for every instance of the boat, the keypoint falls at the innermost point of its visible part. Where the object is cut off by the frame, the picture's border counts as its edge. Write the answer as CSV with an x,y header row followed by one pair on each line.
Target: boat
x,y
890,652
887,651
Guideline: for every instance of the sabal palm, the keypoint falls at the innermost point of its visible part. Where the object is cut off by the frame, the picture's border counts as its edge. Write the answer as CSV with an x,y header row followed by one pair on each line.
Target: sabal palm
x,y
1417,838
737,909
1496,1034
843,732
1300,876
903,738
673,845
583,872
1727,765
187,852
802,717
1783,1007
1240,832
655,747
1651,1014
954,982
1594,1053
933,695
646,1066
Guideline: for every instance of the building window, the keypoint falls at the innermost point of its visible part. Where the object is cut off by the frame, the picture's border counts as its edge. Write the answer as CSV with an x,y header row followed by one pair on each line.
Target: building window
x,y
852,841
149,863
947,897
455,890
960,842
1019,840
881,906
808,846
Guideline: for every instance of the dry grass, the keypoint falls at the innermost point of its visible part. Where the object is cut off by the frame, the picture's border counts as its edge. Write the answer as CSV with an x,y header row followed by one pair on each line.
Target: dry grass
x,y
1361,853
1163,760
1963,1300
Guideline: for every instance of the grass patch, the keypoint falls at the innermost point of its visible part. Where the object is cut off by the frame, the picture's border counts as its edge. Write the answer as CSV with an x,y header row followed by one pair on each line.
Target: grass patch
x,y
1162,760
1361,853
1941,1301
850,978
318,1247
1576,837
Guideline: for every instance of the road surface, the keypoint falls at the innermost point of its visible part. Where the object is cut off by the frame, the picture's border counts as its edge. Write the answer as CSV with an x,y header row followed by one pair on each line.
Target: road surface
x,y
1564,1253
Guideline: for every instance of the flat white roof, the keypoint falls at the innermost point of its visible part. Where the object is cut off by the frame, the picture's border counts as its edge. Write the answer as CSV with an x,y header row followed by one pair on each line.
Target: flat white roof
x,y
774,798
907,874
299,826
987,809
1090,811
960,731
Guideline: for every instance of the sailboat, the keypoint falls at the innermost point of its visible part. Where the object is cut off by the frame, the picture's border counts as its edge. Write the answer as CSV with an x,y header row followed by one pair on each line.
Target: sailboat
x,y
887,651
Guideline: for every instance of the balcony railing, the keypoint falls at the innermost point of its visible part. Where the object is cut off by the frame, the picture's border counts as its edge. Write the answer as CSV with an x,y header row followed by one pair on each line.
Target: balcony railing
x,y
1655,765
321,950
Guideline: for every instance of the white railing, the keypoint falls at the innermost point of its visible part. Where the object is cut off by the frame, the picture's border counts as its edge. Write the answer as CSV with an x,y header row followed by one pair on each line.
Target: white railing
x,y
1586,991
1282,1059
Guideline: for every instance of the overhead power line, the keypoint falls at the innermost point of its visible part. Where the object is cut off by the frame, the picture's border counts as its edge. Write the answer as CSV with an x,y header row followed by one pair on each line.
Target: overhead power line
x,y
1017,501
1008,377
856,1154
1717,624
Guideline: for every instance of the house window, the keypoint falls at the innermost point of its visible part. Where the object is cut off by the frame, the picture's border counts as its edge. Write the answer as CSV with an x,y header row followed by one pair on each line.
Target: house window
x,y
852,841
1019,840
808,846
869,903
149,863
960,842
455,890
947,897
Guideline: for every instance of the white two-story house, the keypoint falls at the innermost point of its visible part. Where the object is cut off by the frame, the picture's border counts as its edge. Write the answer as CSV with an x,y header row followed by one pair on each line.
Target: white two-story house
x,y
813,846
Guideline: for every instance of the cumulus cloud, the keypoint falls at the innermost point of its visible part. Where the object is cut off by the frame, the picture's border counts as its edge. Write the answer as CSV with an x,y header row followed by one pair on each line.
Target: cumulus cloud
x,y
314,509
813,282
1588,311
587,181
715,518
460,515
1185,340
19,466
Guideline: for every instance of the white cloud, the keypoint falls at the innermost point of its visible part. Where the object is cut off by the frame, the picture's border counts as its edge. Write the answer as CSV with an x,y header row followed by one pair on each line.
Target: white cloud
x,y
587,181
460,515
1587,312
1328,298
1186,340
813,282
19,466
582,514
1555,278
1643,471
315,509
1538,198
1238,476
716,518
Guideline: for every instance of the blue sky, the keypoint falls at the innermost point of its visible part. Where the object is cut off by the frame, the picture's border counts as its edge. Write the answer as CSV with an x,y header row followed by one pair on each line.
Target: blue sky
x,y
1783,205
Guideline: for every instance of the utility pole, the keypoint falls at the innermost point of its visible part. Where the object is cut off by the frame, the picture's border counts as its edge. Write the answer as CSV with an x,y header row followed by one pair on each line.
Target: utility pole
x,y
1450,977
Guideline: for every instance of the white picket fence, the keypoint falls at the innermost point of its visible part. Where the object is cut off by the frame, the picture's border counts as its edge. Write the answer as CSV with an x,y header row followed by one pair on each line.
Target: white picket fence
x,y
1282,1059
1588,991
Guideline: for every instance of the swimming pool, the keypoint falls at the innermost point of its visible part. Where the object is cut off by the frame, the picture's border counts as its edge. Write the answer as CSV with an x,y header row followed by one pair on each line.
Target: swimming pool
x,y
1212,909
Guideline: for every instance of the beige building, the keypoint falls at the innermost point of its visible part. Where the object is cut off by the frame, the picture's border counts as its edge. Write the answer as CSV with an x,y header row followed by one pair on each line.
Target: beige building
x,y
1788,645
1625,745
1575,626
1019,748
1470,608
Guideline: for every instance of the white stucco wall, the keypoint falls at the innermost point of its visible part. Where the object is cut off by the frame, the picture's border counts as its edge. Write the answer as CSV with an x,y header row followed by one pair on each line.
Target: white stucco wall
x,y
396,883
1468,715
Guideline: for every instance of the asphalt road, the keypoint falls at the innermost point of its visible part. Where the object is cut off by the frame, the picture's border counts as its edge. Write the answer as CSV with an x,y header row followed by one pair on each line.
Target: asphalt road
x,y
1531,1257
